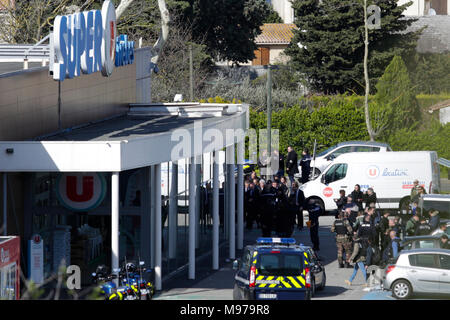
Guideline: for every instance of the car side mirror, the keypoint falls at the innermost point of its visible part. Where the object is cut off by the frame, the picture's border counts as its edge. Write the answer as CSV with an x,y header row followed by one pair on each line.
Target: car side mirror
x,y
235,264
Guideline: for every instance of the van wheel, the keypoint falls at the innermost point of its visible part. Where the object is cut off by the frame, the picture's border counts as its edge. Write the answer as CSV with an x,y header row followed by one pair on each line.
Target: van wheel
x,y
401,289
318,201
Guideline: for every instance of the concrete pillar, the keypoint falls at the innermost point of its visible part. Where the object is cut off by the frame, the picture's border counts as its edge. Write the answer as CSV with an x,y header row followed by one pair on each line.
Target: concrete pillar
x,y
240,195
115,221
145,218
198,179
192,218
158,227
173,212
5,204
152,216
231,203
216,218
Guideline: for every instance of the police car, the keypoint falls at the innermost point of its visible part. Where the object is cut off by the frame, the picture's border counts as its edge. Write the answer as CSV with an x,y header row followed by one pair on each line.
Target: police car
x,y
275,269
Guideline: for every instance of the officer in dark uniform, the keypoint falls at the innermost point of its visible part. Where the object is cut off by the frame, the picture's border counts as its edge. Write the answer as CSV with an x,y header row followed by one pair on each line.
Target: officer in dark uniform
x,y
344,232
366,229
424,228
267,209
314,211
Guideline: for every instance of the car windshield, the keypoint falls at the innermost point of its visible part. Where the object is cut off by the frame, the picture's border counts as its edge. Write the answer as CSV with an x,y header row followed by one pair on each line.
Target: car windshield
x,y
277,264
326,151
442,206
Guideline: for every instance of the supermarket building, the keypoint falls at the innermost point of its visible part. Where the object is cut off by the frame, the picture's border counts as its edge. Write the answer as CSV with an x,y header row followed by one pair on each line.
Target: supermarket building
x,y
88,165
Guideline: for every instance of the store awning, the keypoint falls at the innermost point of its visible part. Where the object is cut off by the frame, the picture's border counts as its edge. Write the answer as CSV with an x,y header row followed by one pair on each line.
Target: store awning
x,y
143,137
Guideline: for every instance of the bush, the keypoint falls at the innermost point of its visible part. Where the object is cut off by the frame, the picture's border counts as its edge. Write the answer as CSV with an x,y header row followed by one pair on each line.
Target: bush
x,y
330,120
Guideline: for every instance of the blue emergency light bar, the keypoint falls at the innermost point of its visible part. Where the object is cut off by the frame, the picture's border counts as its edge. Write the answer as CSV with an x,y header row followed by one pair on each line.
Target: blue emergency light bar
x,y
275,241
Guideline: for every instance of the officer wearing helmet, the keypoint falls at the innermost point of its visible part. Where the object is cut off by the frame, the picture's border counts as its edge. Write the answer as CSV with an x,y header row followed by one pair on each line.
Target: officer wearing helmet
x,y
341,226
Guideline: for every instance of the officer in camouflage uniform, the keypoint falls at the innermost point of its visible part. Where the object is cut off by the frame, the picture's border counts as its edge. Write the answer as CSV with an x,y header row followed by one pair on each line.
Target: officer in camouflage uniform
x,y
344,232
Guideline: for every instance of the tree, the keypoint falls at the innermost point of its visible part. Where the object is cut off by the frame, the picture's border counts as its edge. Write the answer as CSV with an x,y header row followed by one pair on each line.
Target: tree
x,y
228,28
395,95
328,46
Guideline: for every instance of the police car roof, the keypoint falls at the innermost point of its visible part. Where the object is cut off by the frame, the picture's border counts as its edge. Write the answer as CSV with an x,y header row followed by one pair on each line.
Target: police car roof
x,y
282,249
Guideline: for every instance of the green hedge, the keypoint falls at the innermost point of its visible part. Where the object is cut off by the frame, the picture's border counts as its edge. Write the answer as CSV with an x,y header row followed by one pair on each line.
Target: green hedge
x,y
331,120
328,119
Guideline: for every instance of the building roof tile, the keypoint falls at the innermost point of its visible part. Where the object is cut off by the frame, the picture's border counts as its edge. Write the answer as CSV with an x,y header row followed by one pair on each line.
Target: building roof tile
x,y
276,33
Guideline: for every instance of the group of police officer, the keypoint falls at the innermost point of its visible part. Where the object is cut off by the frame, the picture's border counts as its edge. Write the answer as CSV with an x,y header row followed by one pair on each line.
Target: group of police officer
x,y
277,206
378,236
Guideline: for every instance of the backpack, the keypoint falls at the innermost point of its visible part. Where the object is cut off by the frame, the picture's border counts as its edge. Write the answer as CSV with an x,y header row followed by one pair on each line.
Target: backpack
x,y
376,255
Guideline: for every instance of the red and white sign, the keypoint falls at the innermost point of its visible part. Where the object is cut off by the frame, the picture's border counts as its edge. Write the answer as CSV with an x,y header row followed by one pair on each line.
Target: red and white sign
x,y
373,172
328,192
10,268
81,191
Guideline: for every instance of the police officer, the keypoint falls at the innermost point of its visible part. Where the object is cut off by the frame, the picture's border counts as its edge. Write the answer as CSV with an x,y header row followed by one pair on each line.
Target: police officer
x,y
314,211
267,210
423,229
366,229
343,231
411,226
393,249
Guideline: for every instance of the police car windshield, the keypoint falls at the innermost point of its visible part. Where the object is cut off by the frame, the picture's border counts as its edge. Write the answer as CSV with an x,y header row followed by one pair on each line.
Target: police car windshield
x,y
278,264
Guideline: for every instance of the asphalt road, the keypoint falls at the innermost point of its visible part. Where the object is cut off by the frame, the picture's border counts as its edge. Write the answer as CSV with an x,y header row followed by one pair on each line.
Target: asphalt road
x,y
218,285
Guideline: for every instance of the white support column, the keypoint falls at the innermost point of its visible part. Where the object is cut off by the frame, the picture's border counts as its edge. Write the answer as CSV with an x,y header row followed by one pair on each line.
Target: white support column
x,y
152,216
158,227
115,221
198,179
231,203
173,212
240,195
192,218
216,218
145,219
5,204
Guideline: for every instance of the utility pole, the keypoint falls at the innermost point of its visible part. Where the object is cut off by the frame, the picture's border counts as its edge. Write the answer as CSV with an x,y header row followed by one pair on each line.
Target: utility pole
x,y
191,75
269,116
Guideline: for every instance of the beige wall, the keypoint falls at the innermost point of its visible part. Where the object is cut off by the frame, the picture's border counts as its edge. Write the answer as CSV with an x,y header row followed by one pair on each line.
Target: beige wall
x,y
277,54
29,100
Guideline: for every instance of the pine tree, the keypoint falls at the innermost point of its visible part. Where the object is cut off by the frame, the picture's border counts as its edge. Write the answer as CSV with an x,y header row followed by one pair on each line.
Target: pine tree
x,y
395,93
328,47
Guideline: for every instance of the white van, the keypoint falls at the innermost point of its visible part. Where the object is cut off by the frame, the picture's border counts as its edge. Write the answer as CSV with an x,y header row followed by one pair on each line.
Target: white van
x,y
390,174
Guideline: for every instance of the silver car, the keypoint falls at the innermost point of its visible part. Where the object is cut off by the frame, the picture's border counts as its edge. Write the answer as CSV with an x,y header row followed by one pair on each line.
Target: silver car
x,y
419,271
324,158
